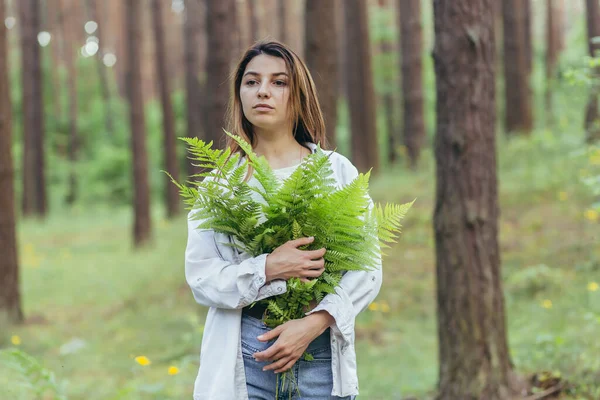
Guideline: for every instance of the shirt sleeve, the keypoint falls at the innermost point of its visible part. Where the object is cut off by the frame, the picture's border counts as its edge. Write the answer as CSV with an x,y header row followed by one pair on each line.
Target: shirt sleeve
x,y
356,290
216,282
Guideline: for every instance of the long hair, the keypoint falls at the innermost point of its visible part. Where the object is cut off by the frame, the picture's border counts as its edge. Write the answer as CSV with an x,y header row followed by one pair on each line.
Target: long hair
x,y
306,117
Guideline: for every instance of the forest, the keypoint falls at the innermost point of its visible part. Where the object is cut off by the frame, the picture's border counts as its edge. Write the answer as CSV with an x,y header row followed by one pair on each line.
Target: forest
x,y
484,112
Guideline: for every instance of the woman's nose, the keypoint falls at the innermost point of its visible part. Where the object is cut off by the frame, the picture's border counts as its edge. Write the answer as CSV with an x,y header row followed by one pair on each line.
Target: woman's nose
x,y
263,91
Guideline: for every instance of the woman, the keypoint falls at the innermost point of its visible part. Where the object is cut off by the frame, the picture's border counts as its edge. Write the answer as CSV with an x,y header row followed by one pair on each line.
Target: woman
x,y
274,107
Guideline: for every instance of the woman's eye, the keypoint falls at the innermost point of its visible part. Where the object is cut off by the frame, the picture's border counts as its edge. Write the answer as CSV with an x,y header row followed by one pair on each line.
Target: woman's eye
x,y
250,82
280,83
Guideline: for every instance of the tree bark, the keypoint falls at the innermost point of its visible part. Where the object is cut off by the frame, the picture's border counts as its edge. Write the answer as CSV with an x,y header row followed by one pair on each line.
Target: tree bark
x,y
10,299
592,124
34,174
322,59
527,38
386,49
361,95
194,40
69,21
281,10
253,17
412,77
553,48
518,113
473,351
142,226
168,118
96,16
220,18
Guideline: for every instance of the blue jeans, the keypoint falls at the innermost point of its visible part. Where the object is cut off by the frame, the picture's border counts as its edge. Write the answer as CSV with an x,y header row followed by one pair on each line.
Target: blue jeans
x,y
314,378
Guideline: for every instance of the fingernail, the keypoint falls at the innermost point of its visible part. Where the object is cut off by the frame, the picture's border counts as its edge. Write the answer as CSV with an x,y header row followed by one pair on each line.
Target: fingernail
x,y
259,337
312,238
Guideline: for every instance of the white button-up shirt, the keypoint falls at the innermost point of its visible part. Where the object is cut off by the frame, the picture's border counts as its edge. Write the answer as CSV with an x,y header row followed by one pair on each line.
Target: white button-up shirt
x,y
225,280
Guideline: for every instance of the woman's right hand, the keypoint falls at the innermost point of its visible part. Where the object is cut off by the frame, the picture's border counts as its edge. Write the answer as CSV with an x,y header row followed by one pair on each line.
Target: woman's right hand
x,y
287,261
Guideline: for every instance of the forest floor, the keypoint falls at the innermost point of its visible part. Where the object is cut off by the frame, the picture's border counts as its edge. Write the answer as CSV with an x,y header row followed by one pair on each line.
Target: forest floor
x,y
93,305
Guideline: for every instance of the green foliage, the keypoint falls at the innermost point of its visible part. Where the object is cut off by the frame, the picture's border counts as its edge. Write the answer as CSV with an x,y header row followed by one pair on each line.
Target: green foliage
x,y
307,204
24,377
533,280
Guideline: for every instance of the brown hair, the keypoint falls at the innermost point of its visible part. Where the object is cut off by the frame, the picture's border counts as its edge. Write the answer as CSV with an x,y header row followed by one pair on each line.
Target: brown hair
x,y
305,111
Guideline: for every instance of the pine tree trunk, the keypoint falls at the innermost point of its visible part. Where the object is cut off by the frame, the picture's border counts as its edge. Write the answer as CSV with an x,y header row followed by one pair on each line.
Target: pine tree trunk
x,y
53,26
10,299
34,173
220,41
386,48
95,14
412,79
322,60
473,351
164,88
361,94
527,38
553,39
518,113
281,10
592,123
253,17
194,40
142,226
69,23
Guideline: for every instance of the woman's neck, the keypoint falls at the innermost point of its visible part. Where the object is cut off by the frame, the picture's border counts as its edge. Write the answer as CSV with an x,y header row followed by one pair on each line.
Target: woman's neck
x,y
279,148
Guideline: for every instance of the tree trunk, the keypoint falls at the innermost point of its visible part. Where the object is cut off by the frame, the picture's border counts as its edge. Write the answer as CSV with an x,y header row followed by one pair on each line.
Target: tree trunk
x,y
69,22
518,114
253,17
10,299
322,59
412,79
95,15
281,10
361,95
34,173
193,28
592,124
142,227
527,38
220,41
54,27
386,49
553,43
473,351
164,88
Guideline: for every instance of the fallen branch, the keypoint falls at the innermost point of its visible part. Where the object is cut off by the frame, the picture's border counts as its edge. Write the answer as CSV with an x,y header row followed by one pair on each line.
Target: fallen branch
x,y
545,393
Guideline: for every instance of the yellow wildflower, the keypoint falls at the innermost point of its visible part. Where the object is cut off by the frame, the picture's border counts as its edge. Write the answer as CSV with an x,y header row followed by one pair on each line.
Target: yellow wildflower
x,y
374,306
591,215
16,340
143,360
562,196
592,286
547,303
385,307
173,370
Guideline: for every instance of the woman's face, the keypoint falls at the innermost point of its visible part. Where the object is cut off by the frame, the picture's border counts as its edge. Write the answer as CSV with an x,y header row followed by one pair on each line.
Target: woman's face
x,y
265,92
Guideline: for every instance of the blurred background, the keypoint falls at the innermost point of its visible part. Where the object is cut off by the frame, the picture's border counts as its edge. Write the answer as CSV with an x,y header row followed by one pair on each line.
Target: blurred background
x,y
94,93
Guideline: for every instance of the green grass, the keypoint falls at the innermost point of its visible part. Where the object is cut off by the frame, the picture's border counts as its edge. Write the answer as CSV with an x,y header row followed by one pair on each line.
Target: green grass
x,y
82,281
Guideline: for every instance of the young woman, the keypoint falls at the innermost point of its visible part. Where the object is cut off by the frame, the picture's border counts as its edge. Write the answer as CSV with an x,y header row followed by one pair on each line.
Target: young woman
x,y
274,107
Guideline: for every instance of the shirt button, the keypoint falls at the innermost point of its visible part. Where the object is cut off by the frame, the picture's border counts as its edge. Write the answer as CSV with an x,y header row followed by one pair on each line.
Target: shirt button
x,y
261,281
280,289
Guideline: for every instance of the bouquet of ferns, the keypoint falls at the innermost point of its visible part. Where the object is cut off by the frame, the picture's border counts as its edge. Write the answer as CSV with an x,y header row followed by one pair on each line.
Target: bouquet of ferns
x,y
308,203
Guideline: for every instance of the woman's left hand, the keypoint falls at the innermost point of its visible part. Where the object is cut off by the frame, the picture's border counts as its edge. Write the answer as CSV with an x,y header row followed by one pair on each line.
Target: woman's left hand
x,y
293,339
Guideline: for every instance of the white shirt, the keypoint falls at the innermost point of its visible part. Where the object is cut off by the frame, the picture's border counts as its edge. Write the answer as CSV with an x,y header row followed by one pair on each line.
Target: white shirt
x,y
225,280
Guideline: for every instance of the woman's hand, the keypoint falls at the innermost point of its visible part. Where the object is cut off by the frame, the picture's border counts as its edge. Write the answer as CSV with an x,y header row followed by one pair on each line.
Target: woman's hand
x,y
294,338
287,261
